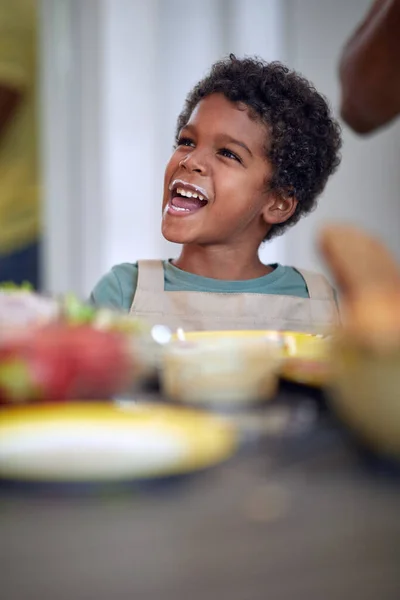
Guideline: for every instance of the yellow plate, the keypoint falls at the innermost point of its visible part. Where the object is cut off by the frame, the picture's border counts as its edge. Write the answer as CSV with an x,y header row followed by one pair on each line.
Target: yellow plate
x,y
80,442
305,354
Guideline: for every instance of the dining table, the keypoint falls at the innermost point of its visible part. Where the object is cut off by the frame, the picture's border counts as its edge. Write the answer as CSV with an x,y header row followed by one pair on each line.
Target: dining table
x,y
302,511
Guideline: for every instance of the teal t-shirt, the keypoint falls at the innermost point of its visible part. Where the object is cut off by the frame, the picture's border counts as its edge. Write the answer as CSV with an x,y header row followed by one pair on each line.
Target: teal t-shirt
x,y
117,288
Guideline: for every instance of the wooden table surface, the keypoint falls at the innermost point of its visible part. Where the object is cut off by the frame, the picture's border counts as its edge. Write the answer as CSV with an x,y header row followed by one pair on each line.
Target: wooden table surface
x,y
293,516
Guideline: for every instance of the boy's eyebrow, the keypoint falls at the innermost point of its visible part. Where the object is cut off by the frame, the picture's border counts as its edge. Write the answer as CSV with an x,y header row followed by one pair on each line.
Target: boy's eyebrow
x,y
232,140
227,138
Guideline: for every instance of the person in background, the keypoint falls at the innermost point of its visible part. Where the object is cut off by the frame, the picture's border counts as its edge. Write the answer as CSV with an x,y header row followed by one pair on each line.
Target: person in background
x,y
19,194
369,70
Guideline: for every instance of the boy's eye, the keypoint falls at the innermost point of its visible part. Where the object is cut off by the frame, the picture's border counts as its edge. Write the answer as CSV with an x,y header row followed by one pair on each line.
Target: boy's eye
x,y
184,141
228,154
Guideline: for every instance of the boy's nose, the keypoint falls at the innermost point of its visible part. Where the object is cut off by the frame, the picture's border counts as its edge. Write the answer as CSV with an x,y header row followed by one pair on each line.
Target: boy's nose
x,y
194,162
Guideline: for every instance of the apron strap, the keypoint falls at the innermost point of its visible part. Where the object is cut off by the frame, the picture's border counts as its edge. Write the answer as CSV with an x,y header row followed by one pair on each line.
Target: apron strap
x,y
318,286
150,276
150,284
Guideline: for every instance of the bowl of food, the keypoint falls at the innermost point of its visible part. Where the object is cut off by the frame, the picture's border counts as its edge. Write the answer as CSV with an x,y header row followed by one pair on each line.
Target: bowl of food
x,y
221,368
36,331
145,341
58,362
63,348
305,357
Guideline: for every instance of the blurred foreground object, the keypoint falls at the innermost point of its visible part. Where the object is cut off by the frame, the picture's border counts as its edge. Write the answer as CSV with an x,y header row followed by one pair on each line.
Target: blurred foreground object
x,y
370,69
58,362
358,261
366,354
366,371
61,349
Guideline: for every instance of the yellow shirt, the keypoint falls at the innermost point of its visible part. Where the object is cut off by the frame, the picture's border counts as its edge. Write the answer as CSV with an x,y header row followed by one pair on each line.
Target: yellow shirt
x,y
19,194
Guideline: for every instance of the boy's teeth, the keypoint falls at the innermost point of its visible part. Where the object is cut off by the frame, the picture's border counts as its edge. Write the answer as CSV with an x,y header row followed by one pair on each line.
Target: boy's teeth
x,y
188,194
179,208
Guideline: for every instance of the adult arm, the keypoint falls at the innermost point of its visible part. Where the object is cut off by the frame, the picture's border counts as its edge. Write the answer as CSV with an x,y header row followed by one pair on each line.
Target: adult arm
x,y
369,69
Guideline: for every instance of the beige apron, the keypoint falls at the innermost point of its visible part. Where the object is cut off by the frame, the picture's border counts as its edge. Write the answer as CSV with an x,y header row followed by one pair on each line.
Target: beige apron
x,y
199,311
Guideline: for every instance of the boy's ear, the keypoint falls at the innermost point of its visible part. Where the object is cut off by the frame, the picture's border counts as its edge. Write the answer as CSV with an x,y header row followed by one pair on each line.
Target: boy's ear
x,y
279,208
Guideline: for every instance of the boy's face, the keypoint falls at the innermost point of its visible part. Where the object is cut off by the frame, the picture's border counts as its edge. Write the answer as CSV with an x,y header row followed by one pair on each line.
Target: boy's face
x,y
215,188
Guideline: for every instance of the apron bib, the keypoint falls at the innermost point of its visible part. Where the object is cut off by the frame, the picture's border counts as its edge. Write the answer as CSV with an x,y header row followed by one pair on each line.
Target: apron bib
x,y
208,311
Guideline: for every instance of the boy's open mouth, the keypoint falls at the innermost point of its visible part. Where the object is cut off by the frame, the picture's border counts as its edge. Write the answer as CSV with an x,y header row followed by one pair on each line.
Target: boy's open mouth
x,y
186,198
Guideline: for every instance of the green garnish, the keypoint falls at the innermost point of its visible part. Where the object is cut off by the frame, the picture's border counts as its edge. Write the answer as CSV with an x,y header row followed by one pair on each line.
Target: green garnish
x,y
76,312
10,286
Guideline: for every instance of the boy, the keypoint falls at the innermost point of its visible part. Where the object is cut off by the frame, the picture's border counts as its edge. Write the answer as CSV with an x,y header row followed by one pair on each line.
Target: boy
x,y
255,146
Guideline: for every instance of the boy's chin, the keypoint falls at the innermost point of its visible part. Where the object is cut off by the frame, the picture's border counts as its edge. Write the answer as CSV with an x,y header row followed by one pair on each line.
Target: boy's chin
x,y
176,239
176,235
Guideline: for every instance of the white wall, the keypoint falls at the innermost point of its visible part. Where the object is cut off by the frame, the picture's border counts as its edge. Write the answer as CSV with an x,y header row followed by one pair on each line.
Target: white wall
x,y
131,174
366,188
72,143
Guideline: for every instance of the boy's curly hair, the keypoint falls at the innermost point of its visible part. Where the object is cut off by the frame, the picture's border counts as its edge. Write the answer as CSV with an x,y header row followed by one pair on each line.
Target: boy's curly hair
x,y
304,139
